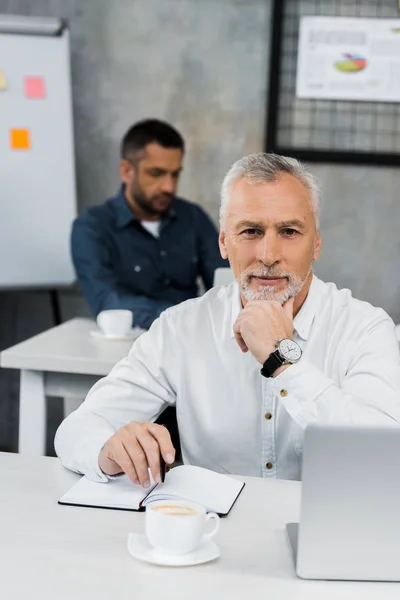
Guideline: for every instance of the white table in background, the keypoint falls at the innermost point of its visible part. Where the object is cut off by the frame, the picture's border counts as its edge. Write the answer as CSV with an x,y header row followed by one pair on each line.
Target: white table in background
x,y
53,552
65,362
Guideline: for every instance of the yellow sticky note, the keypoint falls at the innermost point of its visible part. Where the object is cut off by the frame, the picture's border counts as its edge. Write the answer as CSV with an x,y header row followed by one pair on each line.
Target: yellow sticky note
x,y
3,81
20,139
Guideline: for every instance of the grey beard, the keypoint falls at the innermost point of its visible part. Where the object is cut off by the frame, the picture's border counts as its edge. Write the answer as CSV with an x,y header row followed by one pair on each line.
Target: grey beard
x,y
294,286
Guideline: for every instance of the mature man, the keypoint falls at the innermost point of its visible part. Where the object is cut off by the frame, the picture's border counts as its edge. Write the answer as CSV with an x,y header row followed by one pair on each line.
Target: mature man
x,y
337,359
144,249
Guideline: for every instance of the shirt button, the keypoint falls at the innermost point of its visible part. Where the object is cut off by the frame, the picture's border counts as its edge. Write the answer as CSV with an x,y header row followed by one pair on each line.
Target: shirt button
x,y
269,465
163,253
268,416
283,393
167,281
137,268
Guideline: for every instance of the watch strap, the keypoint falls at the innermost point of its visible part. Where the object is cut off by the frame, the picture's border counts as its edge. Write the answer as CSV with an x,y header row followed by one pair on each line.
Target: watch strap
x,y
273,362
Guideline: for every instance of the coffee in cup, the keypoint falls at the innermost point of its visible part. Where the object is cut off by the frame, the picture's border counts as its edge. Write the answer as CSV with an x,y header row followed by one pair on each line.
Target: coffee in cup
x,y
174,509
177,528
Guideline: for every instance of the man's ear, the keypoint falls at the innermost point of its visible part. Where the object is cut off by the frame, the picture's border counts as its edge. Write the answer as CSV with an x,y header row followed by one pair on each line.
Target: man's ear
x,y
317,246
126,171
221,242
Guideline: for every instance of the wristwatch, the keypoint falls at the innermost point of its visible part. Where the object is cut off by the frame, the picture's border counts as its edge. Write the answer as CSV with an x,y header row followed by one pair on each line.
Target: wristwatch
x,y
287,352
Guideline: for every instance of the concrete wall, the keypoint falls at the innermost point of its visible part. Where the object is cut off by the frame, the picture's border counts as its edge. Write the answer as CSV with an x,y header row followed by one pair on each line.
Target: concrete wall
x,y
360,231
201,64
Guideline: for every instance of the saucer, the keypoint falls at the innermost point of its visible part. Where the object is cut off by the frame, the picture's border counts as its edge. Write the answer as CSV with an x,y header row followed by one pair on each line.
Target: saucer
x,y
140,548
132,334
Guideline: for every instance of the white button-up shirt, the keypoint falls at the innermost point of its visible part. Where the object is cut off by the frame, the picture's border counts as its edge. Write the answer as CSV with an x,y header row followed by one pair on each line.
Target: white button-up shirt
x,y
232,419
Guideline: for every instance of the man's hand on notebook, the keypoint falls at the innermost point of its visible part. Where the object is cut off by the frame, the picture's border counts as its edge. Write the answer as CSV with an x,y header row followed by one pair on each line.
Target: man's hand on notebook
x,y
134,448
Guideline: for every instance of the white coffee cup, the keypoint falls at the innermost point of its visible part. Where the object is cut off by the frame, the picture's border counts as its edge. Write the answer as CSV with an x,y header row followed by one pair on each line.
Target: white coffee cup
x,y
115,323
177,527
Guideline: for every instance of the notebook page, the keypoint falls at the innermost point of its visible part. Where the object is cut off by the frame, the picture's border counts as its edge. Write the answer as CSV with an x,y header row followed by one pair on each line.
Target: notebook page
x,y
116,493
214,491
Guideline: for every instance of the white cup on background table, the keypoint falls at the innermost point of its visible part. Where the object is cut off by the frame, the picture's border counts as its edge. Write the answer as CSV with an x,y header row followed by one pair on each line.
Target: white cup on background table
x,y
115,323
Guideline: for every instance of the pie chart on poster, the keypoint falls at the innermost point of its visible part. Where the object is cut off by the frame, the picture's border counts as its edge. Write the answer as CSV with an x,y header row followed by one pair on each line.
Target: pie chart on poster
x,y
351,63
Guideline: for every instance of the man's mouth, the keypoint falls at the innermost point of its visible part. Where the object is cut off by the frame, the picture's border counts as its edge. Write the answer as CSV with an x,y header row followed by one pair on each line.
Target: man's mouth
x,y
164,197
271,281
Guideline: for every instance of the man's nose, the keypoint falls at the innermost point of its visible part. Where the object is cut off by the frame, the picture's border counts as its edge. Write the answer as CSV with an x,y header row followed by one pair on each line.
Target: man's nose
x,y
169,184
268,249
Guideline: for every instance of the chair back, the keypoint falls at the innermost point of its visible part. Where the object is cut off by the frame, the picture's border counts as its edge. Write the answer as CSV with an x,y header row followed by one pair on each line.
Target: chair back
x,y
223,276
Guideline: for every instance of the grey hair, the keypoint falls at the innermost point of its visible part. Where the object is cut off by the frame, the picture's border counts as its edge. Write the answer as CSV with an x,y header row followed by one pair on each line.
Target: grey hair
x,y
262,168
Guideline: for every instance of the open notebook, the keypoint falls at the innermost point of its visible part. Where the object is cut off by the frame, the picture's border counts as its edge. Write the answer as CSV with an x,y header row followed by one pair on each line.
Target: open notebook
x,y
215,492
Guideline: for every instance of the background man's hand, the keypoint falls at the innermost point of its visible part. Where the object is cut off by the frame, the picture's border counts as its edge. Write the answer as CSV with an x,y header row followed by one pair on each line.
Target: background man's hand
x,y
262,323
134,448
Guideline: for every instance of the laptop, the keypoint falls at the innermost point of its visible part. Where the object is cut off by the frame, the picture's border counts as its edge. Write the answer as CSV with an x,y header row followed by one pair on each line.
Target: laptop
x,y
350,506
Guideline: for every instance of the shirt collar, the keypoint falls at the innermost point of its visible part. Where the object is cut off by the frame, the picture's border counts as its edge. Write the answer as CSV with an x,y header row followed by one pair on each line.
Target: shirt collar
x,y
302,321
126,216
305,317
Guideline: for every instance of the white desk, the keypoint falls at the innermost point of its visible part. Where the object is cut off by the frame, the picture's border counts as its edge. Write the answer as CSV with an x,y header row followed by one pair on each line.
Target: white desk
x,y
49,552
65,362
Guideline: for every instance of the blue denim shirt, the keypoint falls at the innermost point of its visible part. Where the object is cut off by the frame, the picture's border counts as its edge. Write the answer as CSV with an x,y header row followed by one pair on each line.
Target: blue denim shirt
x,y
120,264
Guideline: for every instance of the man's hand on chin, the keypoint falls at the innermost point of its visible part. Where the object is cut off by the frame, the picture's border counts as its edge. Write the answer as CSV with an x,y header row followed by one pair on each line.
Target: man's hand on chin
x,y
260,325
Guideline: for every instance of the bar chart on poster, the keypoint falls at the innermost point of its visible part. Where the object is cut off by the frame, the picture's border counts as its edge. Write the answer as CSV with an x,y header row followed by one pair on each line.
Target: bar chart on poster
x,y
37,164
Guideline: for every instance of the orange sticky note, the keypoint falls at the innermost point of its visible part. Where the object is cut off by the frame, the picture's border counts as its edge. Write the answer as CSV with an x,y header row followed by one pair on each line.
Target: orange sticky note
x,y
34,87
3,81
20,139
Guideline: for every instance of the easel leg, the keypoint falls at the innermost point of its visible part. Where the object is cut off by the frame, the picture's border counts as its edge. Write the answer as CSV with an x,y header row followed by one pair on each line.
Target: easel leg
x,y
55,307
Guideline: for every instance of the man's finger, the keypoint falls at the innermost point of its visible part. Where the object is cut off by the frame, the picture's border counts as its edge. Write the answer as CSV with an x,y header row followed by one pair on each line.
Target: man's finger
x,y
238,336
163,438
241,343
152,451
121,457
139,460
288,308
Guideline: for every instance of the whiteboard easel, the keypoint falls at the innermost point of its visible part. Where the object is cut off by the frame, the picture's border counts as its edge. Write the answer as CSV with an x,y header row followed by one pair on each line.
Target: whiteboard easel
x,y
37,164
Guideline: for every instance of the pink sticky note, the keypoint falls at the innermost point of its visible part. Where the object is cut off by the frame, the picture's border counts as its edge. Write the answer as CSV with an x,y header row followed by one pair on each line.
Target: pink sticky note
x,y
35,87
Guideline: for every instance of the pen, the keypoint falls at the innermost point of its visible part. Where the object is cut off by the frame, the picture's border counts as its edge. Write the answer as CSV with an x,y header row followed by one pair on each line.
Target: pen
x,y
162,464
162,469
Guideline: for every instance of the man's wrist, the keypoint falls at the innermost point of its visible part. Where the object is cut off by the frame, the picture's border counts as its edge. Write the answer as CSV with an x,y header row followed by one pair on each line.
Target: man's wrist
x,y
281,369
270,349
287,352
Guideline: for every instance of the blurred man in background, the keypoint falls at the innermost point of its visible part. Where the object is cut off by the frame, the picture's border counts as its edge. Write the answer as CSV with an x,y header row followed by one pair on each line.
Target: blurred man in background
x,y
144,249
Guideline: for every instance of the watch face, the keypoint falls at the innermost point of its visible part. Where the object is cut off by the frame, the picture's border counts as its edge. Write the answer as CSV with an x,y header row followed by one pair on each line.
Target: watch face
x,y
289,350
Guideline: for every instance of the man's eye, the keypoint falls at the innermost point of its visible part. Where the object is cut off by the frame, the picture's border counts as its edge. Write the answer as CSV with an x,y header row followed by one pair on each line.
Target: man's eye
x,y
288,232
250,232
156,173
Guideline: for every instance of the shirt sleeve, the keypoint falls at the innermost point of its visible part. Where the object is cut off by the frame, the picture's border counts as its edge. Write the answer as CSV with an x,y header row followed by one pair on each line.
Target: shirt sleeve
x,y
93,268
367,391
138,388
208,250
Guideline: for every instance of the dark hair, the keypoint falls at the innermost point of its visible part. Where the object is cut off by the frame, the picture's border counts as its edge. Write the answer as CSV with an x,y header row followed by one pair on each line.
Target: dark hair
x,y
145,132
